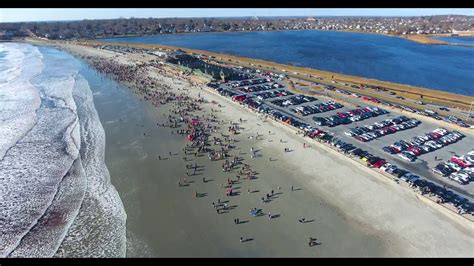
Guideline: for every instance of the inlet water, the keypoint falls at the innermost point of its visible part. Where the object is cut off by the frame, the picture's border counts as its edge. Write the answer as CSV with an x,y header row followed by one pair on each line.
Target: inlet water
x,y
440,67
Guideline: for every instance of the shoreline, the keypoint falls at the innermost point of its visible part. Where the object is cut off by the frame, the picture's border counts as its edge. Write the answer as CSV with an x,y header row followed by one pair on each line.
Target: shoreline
x,y
248,111
310,75
428,39
418,38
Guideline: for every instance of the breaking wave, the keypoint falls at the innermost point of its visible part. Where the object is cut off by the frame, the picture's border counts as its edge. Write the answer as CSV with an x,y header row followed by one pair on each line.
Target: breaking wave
x,y
56,198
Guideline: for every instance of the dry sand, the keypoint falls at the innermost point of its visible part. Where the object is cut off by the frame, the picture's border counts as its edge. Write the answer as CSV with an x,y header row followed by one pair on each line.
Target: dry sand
x,y
355,212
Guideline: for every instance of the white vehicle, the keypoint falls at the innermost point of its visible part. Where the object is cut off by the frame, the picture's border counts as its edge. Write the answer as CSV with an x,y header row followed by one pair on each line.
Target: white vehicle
x,y
386,166
441,131
407,155
463,176
453,165
457,179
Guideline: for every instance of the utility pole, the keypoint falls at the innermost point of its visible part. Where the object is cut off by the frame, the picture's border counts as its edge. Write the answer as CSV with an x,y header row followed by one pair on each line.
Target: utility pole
x,y
469,113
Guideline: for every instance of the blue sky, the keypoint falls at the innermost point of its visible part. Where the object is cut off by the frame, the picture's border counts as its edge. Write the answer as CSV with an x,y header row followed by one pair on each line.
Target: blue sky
x,y
45,14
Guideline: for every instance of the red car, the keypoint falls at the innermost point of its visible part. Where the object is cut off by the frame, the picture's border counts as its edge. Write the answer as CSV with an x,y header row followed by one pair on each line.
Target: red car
x,y
239,98
415,150
379,163
375,100
392,129
341,115
314,133
435,135
460,161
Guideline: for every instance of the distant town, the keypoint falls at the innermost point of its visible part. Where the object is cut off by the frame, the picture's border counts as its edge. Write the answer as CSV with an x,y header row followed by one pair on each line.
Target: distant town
x,y
89,29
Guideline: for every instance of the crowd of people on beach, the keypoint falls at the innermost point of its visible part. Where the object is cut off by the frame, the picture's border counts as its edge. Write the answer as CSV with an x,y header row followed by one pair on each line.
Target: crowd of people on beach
x,y
201,131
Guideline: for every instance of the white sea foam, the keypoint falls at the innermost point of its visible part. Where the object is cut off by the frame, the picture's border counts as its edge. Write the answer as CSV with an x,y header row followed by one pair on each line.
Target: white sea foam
x,y
99,229
55,193
10,65
19,98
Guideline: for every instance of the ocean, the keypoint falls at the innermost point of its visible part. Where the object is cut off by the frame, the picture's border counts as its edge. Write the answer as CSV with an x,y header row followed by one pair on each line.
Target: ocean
x,y
56,196
440,67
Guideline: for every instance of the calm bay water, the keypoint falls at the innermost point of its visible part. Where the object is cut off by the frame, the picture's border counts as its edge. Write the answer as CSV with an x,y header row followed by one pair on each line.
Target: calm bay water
x,y
447,68
457,39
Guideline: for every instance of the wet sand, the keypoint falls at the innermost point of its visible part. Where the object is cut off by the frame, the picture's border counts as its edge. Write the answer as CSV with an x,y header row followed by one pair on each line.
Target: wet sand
x,y
349,211
173,223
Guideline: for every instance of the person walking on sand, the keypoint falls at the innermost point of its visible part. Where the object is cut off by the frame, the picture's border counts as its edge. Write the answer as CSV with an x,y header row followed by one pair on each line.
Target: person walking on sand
x,y
312,241
241,239
291,188
159,157
269,216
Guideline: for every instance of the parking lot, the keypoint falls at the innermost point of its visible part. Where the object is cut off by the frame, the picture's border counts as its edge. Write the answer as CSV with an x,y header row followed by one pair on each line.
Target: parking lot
x,y
275,98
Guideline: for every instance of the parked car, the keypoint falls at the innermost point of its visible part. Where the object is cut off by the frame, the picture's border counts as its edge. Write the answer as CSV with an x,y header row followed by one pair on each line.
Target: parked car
x,y
407,155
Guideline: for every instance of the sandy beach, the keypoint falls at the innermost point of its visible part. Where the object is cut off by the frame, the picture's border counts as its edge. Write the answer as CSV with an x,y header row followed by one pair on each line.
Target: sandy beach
x,y
351,211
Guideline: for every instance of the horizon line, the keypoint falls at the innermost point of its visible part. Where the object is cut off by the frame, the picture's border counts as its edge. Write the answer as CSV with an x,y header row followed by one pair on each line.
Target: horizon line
x,y
307,16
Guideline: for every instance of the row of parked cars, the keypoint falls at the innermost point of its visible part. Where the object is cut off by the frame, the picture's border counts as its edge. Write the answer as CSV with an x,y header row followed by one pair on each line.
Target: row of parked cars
x,y
458,168
272,94
349,116
443,194
411,149
260,107
294,100
267,74
248,82
373,161
382,128
450,119
261,87
317,108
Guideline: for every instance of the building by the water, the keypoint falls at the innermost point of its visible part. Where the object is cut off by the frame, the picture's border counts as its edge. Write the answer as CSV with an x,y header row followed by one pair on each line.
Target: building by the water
x,y
5,35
